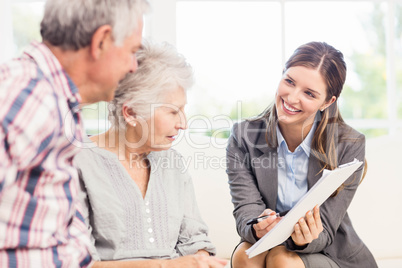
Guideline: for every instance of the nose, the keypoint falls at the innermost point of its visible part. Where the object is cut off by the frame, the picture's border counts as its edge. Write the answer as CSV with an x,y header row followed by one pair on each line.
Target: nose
x,y
182,122
293,97
134,64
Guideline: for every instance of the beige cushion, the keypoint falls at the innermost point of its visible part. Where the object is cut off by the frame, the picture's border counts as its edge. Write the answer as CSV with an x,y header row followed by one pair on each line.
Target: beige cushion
x,y
377,206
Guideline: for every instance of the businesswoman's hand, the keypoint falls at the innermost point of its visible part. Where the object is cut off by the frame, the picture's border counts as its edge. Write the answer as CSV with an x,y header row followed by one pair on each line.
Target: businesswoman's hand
x,y
267,224
308,229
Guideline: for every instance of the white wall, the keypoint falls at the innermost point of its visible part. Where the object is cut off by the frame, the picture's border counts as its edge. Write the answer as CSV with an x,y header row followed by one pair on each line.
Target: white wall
x,y
6,34
164,27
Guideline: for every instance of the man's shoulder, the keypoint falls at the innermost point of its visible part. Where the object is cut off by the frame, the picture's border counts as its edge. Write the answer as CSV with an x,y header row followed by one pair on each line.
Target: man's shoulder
x,y
22,78
23,74
19,68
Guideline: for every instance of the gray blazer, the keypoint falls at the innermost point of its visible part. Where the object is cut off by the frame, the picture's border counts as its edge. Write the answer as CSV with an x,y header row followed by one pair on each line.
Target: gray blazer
x,y
253,180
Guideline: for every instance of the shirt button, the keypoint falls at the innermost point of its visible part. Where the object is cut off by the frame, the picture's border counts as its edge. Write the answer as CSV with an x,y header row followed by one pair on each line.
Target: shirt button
x,y
149,220
151,240
147,203
150,230
147,210
72,99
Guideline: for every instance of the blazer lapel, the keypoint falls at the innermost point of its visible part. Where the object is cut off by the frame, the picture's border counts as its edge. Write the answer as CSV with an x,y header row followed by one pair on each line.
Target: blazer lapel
x,y
314,168
265,164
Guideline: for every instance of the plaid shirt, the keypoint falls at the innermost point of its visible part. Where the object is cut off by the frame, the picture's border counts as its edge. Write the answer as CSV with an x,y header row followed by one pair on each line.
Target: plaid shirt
x,y
39,133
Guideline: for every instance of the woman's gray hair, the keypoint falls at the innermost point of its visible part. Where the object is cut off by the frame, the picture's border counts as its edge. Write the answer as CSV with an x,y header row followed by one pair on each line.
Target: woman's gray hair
x,y
70,24
160,69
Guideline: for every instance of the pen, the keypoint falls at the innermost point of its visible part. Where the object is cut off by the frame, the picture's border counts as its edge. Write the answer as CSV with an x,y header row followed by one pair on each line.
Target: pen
x,y
259,219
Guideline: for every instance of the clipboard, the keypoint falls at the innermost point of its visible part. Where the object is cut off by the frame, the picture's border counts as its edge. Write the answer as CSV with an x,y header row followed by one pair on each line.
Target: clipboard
x,y
322,189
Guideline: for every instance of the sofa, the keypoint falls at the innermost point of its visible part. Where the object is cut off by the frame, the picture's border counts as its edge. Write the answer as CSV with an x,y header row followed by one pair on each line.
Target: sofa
x,y
375,210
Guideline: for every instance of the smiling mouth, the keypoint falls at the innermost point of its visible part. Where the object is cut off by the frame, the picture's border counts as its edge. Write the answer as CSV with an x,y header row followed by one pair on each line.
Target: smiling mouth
x,y
290,109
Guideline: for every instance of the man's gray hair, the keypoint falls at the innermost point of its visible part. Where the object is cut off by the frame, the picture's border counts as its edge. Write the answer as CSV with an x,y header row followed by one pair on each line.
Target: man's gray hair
x,y
161,69
70,24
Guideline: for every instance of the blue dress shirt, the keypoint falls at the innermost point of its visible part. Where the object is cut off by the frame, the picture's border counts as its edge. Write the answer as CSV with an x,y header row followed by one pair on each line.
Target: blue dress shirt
x,y
292,170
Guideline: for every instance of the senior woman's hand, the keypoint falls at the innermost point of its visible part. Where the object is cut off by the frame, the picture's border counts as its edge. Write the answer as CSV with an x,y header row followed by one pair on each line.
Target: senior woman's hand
x,y
267,224
306,230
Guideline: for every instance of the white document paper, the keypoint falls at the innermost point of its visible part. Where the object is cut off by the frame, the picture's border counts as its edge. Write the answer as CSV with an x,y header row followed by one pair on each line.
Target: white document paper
x,y
325,186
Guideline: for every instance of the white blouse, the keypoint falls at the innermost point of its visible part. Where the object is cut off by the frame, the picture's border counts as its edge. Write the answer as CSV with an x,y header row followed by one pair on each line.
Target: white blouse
x,y
124,225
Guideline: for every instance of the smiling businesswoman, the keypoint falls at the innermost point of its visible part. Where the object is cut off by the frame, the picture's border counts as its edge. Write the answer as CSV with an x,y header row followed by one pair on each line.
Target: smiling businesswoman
x,y
275,159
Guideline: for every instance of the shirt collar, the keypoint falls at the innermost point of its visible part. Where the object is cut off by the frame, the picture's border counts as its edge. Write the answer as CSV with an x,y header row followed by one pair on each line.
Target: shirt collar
x,y
306,143
279,136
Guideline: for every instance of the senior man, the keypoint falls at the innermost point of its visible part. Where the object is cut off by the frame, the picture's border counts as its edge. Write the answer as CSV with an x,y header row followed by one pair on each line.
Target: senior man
x,y
88,47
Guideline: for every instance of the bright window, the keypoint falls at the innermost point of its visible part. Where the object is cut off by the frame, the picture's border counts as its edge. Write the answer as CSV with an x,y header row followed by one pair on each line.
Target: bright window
x,y
19,25
238,48
234,53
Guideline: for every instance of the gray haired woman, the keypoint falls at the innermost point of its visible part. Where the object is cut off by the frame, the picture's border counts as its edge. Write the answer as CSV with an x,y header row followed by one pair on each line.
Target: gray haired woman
x,y
139,199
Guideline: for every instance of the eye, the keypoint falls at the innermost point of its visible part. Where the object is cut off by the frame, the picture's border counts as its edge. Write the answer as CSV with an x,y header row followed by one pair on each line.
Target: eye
x,y
174,111
288,81
310,94
134,54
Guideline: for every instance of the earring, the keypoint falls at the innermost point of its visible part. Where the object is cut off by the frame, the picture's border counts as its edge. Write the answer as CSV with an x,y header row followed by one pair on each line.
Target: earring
x,y
131,123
